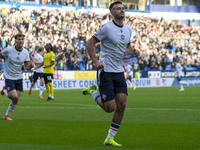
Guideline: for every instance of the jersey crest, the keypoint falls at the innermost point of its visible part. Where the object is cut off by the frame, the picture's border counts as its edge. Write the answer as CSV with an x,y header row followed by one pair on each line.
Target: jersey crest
x,y
122,37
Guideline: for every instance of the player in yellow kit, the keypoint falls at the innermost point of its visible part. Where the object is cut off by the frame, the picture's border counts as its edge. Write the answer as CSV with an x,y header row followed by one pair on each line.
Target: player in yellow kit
x,y
48,62
137,76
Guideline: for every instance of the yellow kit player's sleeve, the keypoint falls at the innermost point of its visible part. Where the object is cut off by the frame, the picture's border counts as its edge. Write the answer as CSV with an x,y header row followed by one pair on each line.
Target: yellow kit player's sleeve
x,y
52,56
52,59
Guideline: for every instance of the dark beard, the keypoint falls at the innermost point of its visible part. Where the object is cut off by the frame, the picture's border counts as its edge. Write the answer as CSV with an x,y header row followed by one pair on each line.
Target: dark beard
x,y
119,17
19,48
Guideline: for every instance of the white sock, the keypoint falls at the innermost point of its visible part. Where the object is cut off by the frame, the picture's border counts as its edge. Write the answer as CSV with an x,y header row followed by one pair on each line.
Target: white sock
x,y
95,95
113,130
52,97
181,86
49,95
129,82
11,107
5,92
41,89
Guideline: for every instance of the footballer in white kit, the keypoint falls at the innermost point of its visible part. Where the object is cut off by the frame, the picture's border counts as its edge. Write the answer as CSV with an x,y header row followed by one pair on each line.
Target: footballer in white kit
x,y
15,57
39,58
14,60
128,70
179,72
38,74
114,41
115,37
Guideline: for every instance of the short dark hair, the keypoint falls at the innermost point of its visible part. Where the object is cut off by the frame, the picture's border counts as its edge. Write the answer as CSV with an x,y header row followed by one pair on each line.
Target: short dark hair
x,y
49,44
19,35
114,3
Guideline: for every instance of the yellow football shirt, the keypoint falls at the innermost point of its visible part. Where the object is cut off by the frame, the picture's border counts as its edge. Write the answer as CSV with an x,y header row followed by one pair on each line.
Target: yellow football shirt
x,y
137,75
48,58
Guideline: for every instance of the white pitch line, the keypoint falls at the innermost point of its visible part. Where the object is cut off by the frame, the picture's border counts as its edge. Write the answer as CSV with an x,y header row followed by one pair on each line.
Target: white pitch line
x,y
97,107
86,106
60,107
164,109
53,103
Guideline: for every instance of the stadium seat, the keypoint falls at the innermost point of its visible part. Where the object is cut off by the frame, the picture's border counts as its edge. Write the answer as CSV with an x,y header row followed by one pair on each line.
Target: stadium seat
x,y
191,69
168,67
81,42
82,68
66,69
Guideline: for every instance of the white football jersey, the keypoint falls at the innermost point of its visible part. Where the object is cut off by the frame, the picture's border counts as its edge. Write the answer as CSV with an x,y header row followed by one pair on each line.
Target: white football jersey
x,y
39,58
14,61
179,69
128,69
114,41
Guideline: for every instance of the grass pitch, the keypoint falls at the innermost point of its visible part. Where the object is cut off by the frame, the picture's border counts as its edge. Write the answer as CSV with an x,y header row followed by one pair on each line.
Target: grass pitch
x,y
155,119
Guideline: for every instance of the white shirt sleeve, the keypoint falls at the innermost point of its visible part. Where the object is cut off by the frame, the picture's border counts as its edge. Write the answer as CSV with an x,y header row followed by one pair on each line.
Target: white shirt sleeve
x,y
27,57
101,33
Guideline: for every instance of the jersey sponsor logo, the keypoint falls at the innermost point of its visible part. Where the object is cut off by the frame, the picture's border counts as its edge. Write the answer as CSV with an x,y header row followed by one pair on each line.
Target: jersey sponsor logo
x,y
122,45
14,62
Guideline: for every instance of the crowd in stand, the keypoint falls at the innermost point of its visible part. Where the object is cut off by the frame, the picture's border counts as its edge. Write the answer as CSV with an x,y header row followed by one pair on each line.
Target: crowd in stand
x,y
160,41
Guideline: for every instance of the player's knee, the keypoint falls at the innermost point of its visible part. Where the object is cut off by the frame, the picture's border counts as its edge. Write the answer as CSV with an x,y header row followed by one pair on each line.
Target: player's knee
x,y
110,109
121,106
110,106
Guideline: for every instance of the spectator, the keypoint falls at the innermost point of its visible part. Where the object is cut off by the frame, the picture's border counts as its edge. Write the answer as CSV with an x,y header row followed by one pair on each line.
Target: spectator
x,y
2,65
142,63
163,60
159,41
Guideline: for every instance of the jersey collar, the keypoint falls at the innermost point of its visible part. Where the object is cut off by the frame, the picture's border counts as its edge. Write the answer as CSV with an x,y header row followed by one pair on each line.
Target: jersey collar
x,y
18,50
117,24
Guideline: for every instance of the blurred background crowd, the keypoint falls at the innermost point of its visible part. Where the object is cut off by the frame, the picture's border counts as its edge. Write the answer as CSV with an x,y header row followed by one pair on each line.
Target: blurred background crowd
x,y
160,41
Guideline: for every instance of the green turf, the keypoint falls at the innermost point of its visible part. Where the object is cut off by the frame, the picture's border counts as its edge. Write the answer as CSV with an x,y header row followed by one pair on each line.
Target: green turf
x,y
155,119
